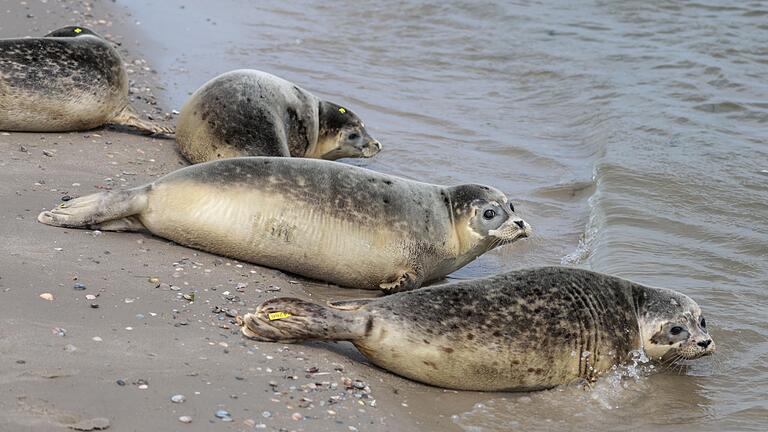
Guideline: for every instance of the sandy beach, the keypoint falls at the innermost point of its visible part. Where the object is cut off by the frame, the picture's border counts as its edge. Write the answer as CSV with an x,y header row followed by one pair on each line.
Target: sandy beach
x,y
154,319
631,136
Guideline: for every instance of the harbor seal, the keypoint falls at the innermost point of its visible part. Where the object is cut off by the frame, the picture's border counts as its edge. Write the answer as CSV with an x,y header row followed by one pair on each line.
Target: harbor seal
x,y
69,80
253,113
324,220
519,331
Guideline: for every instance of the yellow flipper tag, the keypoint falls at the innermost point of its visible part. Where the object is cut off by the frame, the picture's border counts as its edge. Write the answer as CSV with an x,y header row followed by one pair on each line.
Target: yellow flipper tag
x,y
78,30
342,110
278,315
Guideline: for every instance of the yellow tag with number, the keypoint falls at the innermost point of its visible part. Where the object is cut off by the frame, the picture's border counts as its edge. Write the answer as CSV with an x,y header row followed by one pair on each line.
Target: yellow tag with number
x,y
342,110
278,315
78,30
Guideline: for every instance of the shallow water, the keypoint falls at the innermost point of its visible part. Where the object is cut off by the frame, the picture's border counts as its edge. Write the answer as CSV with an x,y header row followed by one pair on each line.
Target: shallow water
x,y
631,135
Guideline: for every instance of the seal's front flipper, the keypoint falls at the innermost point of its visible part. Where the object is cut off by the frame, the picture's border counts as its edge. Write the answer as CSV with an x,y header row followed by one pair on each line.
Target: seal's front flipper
x,y
290,320
129,117
405,282
105,210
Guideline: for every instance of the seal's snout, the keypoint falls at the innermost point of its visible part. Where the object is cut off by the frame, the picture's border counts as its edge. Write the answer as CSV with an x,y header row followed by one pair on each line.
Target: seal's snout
x,y
371,148
704,344
525,229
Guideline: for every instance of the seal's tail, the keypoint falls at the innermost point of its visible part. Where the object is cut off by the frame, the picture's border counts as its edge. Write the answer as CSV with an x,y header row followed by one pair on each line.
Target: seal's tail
x,y
107,211
289,320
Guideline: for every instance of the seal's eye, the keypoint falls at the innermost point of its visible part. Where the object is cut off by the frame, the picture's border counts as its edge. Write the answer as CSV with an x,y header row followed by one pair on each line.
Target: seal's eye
x,y
512,207
676,330
353,136
489,214
703,323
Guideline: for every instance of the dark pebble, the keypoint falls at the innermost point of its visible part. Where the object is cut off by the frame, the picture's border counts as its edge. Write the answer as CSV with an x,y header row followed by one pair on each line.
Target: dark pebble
x,y
66,198
120,382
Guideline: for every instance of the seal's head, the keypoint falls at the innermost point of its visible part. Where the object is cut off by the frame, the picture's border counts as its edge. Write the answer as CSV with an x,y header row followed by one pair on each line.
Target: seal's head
x,y
484,217
342,134
72,31
672,326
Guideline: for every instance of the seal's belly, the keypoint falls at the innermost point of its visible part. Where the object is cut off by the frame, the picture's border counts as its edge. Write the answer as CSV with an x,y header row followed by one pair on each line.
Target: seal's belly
x,y
456,361
26,110
271,230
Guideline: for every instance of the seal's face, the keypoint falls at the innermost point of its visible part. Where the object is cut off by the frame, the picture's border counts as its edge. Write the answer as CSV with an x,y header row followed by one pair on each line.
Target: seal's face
x,y
488,215
71,31
673,328
342,135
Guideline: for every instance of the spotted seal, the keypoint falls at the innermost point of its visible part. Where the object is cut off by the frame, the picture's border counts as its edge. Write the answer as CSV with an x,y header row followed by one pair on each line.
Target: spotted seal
x,y
253,113
329,221
71,79
519,331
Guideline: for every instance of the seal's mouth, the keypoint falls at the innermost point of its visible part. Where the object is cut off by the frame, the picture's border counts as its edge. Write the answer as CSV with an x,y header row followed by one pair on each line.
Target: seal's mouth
x,y
511,231
689,351
371,148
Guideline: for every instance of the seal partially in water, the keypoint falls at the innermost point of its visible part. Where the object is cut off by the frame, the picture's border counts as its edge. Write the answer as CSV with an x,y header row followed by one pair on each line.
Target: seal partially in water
x,y
329,221
71,79
519,331
253,113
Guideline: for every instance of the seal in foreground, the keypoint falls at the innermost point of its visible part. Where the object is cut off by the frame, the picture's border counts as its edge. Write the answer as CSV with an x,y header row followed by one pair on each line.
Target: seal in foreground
x,y
519,331
69,80
253,113
329,221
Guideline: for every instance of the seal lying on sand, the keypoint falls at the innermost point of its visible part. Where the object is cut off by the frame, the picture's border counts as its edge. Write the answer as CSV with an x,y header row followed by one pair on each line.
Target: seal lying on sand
x,y
252,113
70,79
519,331
321,219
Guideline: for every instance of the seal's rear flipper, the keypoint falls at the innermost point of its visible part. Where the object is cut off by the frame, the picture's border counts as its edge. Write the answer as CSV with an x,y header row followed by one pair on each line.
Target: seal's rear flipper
x,y
129,117
349,304
109,211
290,320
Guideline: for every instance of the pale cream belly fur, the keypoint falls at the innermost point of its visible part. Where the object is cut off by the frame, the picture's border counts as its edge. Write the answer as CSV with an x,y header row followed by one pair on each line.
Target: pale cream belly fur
x,y
267,229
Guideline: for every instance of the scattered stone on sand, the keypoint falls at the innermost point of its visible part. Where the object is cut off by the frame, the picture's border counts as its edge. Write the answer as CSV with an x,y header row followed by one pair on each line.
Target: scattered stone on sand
x,y
185,419
179,398
224,415
46,296
79,286
98,423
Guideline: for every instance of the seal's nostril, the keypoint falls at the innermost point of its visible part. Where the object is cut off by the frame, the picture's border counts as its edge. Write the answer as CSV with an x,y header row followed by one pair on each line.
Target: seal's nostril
x,y
705,343
520,223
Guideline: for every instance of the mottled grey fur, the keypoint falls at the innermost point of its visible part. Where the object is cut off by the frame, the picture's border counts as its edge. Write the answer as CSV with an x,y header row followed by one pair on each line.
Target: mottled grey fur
x,y
71,79
517,331
253,113
329,221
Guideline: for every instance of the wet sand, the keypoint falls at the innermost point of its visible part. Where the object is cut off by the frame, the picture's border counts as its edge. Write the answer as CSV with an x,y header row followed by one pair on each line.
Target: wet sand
x,y
72,359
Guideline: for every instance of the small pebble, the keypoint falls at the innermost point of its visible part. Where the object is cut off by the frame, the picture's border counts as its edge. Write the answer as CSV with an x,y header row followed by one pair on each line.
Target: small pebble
x,y
143,387
90,297
79,286
120,382
46,296
297,416
185,419
224,414
178,398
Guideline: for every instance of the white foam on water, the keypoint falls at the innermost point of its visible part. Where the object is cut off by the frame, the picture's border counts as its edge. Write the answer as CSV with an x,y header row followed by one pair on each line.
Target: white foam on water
x,y
577,405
